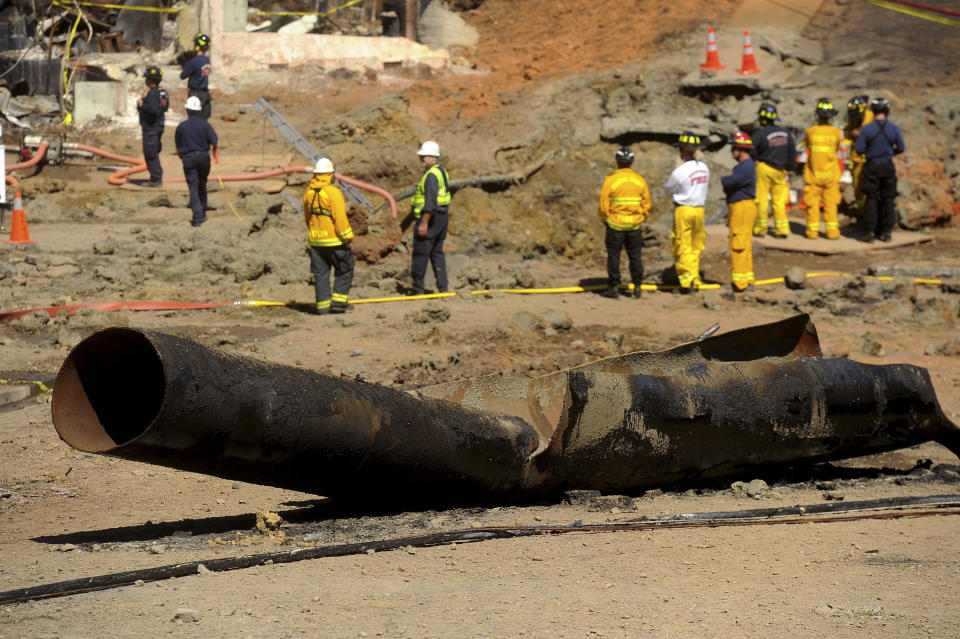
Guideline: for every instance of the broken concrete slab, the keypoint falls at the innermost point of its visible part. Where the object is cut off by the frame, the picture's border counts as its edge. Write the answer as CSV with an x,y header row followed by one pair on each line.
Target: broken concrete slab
x,y
92,99
785,44
729,82
659,126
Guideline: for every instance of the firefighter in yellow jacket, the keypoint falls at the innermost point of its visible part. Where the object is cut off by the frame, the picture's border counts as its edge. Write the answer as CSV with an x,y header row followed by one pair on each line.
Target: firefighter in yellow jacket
x,y
624,205
821,175
858,116
324,211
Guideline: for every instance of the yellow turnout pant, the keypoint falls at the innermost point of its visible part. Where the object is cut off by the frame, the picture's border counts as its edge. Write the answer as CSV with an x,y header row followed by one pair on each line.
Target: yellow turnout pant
x,y
741,218
856,172
772,183
829,190
689,238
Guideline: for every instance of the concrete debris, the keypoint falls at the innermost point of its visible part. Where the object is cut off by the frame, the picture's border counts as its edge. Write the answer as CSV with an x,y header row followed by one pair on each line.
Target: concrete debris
x,y
580,497
187,615
755,489
786,45
795,278
657,126
557,319
923,272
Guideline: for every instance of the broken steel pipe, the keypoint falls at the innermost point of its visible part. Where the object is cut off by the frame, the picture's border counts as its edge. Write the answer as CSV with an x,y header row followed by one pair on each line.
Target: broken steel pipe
x,y
168,401
635,421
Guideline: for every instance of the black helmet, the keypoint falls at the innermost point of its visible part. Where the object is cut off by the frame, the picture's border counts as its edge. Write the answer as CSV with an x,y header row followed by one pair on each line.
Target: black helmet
x,y
767,113
624,155
153,73
825,108
201,40
880,105
688,140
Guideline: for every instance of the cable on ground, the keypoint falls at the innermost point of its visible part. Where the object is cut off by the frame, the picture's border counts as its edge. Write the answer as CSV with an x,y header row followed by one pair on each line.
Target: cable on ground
x,y
891,508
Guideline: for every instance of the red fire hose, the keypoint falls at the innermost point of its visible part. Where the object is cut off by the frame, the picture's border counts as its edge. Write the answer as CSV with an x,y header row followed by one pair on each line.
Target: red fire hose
x,y
137,165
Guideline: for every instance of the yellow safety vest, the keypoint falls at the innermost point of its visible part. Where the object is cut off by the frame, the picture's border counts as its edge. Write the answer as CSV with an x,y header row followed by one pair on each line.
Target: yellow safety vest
x,y
443,195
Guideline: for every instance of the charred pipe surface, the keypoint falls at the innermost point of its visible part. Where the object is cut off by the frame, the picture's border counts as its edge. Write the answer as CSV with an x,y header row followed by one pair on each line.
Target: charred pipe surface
x,y
160,399
630,422
719,419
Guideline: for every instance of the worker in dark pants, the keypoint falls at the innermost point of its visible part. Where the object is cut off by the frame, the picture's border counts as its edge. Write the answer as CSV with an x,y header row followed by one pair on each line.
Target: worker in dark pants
x,y
328,239
624,205
197,74
879,141
152,107
194,139
431,203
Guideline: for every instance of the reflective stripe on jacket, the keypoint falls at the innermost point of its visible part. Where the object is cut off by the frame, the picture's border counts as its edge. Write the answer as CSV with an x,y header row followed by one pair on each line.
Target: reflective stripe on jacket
x,y
624,200
419,199
822,142
325,214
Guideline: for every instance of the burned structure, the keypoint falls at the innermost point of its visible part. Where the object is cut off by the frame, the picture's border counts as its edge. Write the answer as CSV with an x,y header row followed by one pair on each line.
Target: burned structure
x,y
82,56
729,404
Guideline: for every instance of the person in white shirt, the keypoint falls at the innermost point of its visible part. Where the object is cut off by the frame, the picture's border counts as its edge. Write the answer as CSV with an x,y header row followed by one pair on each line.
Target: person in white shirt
x,y
688,186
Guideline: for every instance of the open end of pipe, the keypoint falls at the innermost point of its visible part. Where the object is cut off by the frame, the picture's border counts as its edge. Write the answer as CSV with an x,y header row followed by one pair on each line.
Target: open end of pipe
x,y
109,390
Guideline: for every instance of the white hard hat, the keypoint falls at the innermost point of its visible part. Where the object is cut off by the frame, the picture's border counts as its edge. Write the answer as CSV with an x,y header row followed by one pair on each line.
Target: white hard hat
x,y
323,165
193,104
429,148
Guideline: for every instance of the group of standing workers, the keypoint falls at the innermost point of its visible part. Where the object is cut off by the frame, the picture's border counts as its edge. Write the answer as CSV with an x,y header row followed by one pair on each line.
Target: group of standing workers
x,y
194,137
759,178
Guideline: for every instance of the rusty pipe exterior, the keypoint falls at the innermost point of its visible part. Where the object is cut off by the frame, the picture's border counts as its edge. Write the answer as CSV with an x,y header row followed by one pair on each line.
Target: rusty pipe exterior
x,y
629,422
160,399
723,419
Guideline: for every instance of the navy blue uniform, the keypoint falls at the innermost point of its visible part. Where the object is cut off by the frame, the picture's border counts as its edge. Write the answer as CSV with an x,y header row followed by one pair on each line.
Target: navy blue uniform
x,y
430,248
775,147
152,110
741,184
197,72
879,141
194,137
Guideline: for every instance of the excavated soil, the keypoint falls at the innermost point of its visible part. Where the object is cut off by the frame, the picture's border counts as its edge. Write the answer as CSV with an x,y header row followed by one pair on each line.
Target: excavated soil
x,y
526,107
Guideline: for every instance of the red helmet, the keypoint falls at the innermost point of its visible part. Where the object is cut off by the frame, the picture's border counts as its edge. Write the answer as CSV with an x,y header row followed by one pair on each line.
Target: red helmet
x,y
741,140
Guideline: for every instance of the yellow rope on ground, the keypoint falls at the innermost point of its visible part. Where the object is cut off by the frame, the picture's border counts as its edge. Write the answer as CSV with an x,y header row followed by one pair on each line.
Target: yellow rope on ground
x,y
43,387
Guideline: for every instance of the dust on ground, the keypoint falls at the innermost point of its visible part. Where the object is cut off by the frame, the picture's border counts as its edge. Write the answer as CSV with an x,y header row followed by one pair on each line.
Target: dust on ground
x,y
539,86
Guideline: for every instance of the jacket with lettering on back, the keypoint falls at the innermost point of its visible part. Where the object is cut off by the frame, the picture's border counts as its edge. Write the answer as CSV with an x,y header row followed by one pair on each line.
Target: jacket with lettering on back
x,y
324,211
822,142
624,200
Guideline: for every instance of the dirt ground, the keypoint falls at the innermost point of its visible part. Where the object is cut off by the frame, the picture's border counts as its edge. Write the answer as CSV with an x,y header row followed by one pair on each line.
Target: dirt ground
x,y
530,99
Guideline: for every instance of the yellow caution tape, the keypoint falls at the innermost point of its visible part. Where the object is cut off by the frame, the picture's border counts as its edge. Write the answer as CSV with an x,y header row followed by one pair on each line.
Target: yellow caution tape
x,y
915,13
43,387
322,14
70,5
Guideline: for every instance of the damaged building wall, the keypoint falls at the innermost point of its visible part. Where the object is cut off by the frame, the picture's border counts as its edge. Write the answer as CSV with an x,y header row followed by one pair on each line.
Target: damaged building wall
x,y
234,52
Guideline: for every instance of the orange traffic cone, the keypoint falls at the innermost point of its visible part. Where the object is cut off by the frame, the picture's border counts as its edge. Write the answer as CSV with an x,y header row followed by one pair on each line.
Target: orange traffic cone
x,y
749,64
713,56
19,233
